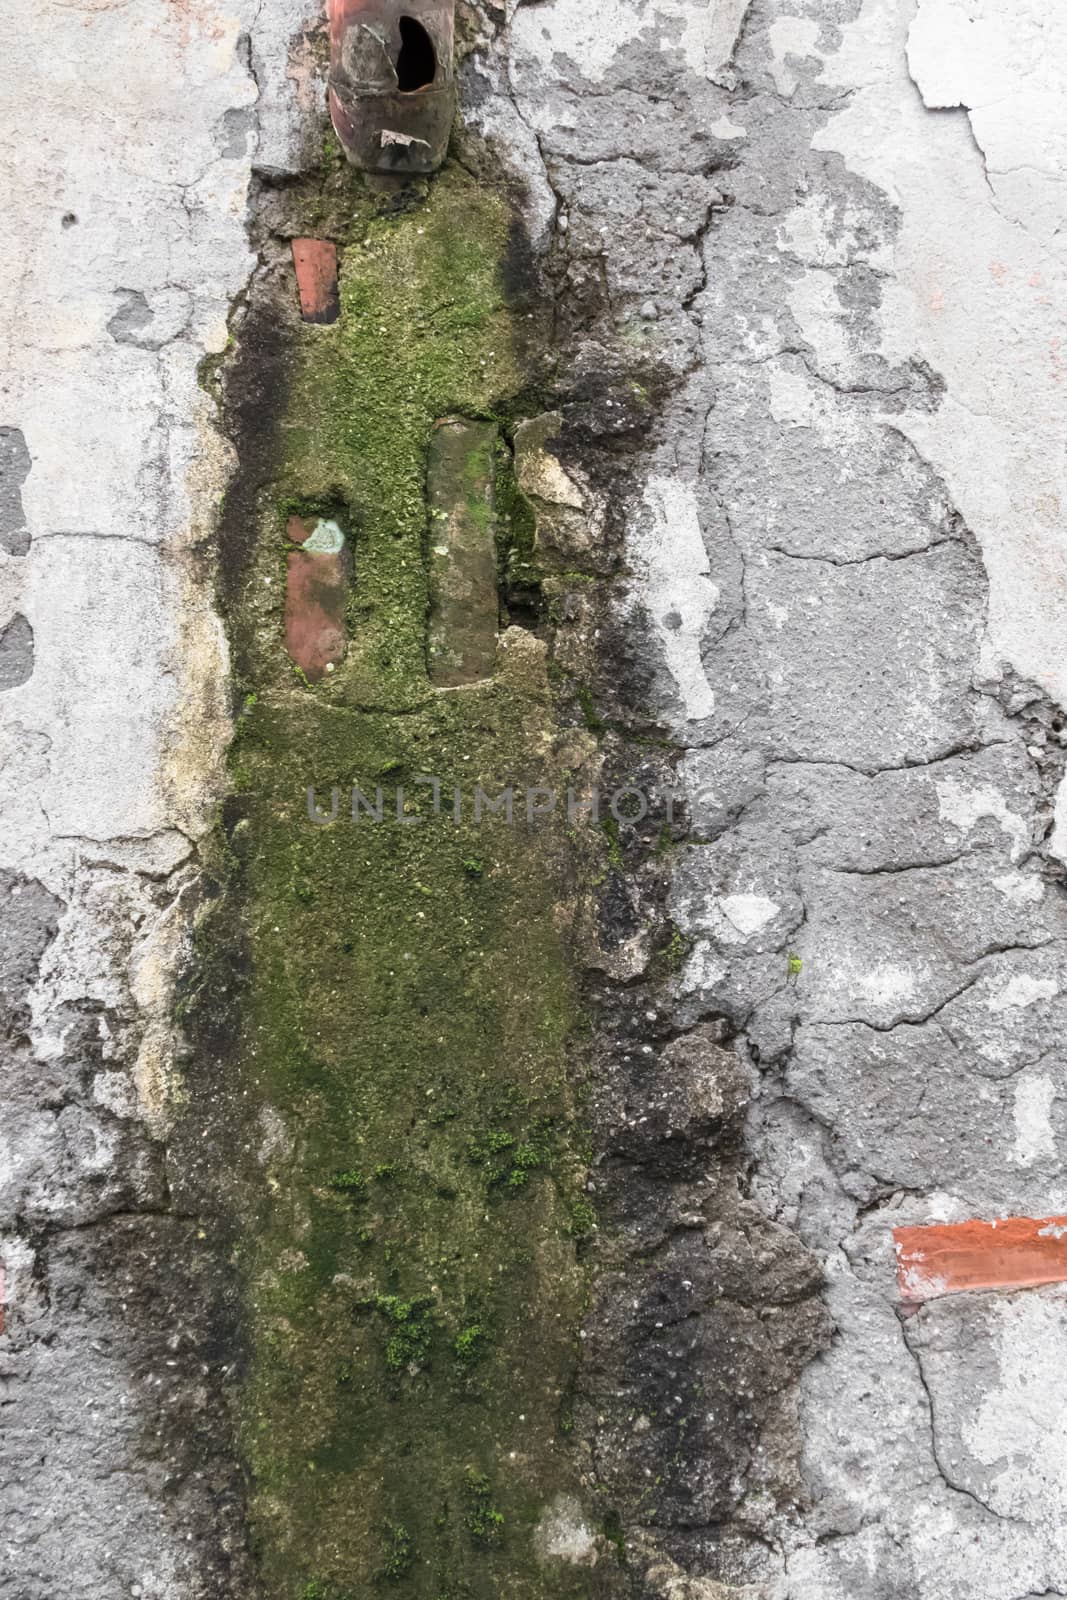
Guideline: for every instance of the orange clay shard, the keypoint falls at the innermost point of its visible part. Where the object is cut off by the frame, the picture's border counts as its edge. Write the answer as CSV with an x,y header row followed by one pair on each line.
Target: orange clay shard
x,y
955,1257
315,261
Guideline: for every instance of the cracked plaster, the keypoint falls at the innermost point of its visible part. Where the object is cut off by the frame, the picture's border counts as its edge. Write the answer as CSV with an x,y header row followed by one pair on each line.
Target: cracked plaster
x,y
856,488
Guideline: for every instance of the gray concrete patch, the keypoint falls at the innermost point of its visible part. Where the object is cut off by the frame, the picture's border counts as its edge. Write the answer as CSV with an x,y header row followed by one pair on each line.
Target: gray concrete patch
x,y
29,918
917,816
895,946
869,664
16,653
14,470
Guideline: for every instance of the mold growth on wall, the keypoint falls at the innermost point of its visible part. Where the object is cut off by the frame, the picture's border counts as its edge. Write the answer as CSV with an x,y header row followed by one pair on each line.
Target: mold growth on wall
x,y
388,1027
472,1364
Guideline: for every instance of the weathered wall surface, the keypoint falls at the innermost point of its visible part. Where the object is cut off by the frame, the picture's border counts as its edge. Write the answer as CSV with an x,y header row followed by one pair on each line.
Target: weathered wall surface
x,y
805,267
850,544
125,156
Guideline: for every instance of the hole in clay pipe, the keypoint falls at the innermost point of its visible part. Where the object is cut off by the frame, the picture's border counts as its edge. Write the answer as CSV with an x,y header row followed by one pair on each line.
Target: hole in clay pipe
x,y
416,65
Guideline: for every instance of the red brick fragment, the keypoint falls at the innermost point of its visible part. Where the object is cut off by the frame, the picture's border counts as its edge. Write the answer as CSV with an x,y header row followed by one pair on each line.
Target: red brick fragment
x,y
315,597
315,261
955,1257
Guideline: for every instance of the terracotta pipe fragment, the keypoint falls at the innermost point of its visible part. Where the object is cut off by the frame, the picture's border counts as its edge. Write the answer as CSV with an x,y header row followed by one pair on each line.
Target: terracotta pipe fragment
x,y
392,83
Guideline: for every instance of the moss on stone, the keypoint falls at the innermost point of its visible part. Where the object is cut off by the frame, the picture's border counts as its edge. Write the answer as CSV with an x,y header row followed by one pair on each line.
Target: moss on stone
x,y
410,998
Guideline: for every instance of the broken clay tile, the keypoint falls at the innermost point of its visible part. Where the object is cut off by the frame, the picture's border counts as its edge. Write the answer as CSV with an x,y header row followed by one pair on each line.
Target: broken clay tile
x,y
315,596
315,261
955,1257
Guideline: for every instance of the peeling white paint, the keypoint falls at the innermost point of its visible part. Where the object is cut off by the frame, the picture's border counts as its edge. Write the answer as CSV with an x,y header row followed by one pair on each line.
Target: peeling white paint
x,y
1003,62
974,253
791,36
1026,1460
825,236
592,36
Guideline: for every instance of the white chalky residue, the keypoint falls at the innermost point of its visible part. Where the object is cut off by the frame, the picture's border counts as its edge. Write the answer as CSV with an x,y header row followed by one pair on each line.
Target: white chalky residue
x,y
703,970
1034,1138
885,985
667,551
963,806
1015,1431
564,1533
1022,990
1024,888
748,912
723,128
799,400
825,323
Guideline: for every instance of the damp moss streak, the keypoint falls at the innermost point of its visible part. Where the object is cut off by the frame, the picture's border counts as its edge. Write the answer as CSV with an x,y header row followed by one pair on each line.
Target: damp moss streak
x,y
409,1028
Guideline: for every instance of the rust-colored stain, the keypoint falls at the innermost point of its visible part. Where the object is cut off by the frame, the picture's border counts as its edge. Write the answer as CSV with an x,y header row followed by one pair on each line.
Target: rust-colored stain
x,y
315,596
315,261
954,1257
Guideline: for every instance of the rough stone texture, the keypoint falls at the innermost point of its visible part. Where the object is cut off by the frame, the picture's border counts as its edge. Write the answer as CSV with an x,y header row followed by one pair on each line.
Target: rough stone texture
x,y
835,230
126,160
809,276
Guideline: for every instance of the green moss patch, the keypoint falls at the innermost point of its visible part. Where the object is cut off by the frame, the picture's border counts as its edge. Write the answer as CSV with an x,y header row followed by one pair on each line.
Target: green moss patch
x,y
411,1175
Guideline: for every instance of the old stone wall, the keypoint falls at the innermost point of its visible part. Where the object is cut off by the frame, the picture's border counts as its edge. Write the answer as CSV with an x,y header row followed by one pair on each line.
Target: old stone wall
x,y
469,1213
